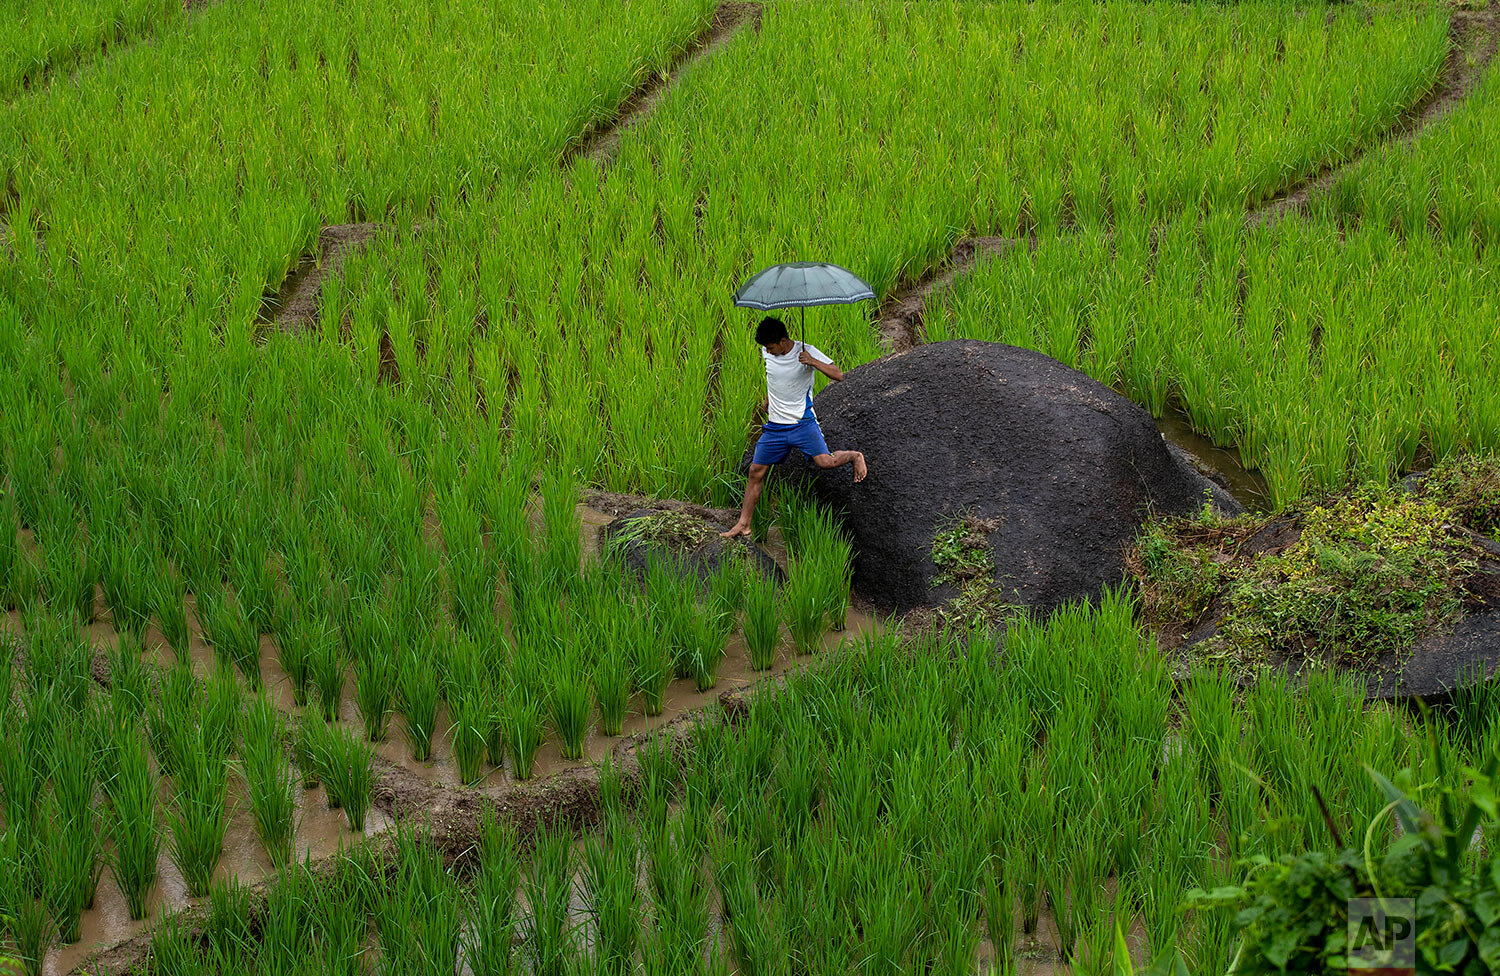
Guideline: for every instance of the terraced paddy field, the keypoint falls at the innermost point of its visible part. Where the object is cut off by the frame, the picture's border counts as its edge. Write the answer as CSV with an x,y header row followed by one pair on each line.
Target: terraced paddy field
x,y
336,336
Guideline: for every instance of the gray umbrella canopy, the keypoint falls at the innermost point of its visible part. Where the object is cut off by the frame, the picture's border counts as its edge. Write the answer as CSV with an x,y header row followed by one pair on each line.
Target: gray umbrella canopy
x,y
802,284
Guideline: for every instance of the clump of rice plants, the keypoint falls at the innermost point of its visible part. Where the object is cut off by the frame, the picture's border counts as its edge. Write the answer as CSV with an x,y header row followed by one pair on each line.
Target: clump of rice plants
x,y
229,629
612,688
651,660
492,916
125,579
198,819
804,606
524,730
134,830
547,938
610,898
418,698
561,549
349,774
306,751
73,862
169,606
326,669
68,578
296,640
273,802
568,701
469,714
762,621
710,631
821,548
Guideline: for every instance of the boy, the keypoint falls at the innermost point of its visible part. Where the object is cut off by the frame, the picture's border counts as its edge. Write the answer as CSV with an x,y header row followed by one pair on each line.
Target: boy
x,y
791,421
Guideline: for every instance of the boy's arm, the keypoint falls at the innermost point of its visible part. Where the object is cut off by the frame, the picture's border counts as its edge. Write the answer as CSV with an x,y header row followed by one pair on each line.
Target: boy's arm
x,y
824,366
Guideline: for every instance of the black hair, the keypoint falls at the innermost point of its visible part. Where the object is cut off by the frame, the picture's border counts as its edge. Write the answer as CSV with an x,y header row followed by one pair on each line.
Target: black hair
x,y
771,330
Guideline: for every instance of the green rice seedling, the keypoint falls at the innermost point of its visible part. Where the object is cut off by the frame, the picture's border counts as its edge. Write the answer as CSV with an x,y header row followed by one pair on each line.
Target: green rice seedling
x,y
228,627
548,935
219,718
561,548
610,898
568,702
32,930
612,689
168,595
418,695
491,913
418,911
670,600
268,779
172,950
803,607
10,549
679,909
762,621
133,828
650,657
68,578
326,667
299,634
73,862
524,731
469,716
350,775
74,767
306,751
472,571
174,711
198,820
375,676
710,633
756,932
229,935
999,915
129,682
126,577
726,588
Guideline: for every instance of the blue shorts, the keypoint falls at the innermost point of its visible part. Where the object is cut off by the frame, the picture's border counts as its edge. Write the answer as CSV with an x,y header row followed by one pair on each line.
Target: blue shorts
x,y
777,440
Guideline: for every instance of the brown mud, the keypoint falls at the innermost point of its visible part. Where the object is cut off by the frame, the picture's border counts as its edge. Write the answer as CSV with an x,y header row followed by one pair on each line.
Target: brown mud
x,y
601,140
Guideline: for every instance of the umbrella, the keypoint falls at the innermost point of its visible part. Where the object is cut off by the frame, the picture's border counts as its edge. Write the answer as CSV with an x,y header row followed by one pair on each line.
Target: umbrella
x,y
800,284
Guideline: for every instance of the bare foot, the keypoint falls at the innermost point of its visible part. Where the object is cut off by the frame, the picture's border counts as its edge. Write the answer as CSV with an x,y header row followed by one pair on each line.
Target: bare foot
x,y
736,530
860,469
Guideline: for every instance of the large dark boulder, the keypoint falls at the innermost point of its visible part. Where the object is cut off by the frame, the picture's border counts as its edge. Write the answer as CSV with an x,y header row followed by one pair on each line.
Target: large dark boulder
x,y
1058,470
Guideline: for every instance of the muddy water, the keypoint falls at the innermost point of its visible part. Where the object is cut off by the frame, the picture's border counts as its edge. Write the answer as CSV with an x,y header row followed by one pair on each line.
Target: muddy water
x,y
320,832
1247,485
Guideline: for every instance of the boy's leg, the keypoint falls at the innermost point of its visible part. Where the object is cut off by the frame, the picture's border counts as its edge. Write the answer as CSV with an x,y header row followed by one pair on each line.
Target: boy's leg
x,y
754,484
837,459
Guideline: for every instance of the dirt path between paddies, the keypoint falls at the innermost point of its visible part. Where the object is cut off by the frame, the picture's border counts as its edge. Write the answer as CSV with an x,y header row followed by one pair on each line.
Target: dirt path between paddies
x,y
1473,38
79,57
601,140
293,305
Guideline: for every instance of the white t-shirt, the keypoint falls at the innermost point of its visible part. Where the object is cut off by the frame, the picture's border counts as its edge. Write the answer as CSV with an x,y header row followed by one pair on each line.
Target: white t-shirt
x,y
789,384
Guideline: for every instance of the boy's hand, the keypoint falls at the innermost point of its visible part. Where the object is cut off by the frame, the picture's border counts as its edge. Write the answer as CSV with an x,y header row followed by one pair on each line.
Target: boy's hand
x,y
805,358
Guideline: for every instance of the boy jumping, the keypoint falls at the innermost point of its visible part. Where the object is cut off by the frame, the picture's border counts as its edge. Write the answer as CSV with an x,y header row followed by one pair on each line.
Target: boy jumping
x,y
792,423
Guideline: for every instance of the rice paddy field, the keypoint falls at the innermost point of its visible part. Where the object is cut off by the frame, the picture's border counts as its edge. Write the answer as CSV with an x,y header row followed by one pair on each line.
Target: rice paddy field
x,y
329,330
